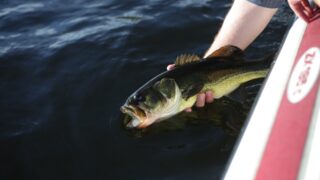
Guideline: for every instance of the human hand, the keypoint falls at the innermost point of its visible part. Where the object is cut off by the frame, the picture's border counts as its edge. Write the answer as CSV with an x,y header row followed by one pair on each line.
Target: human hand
x,y
303,9
202,98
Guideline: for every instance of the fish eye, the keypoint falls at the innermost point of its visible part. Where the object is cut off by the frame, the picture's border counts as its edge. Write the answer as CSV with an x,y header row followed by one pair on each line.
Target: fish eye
x,y
137,98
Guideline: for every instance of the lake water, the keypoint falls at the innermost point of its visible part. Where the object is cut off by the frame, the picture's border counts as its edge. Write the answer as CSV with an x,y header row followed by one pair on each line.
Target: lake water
x,y
67,66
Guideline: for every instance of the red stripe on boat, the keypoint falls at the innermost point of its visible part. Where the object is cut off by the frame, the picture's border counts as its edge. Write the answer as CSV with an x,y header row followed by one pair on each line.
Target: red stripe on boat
x,y
283,153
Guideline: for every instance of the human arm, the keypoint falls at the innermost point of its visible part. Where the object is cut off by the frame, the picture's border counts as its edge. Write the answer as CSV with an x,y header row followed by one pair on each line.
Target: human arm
x,y
243,23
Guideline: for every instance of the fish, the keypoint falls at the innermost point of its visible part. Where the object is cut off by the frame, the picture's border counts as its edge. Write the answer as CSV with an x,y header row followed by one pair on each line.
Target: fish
x,y
227,113
171,92
224,113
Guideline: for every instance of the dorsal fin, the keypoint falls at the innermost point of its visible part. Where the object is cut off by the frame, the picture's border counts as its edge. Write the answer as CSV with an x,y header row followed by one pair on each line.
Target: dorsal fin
x,y
186,59
227,51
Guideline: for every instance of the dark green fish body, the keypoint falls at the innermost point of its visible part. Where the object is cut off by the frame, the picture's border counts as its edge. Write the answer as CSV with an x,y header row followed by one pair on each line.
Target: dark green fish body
x,y
173,91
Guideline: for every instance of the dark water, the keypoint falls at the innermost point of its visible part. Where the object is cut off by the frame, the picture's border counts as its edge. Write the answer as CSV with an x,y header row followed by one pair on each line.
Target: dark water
x,y
67,66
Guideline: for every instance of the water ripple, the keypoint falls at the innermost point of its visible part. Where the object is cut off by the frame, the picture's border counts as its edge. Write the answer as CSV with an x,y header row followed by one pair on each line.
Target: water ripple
x,y
23,8
108,25
73,36
47,31
191,3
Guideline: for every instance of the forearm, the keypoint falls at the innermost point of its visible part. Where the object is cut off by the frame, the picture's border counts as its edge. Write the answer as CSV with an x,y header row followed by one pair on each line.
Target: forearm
x,y
244,22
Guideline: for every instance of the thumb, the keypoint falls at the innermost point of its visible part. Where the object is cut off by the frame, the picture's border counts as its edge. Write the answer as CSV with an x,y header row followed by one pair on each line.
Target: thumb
x,y
170,67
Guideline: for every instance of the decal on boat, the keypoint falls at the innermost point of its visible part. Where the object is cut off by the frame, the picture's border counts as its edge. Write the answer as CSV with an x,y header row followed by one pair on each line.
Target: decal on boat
x,y
304,75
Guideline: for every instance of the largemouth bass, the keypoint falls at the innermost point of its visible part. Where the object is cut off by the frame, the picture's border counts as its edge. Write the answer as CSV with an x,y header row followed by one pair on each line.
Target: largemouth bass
x,y
223,113
172,91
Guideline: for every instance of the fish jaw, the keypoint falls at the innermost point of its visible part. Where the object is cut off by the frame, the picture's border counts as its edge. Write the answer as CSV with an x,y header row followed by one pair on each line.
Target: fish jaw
x,y
143,117
138,116
141,122
133,123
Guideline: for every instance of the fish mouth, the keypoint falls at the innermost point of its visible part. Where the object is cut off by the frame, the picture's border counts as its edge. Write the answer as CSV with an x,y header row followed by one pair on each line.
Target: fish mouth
x,y
138,116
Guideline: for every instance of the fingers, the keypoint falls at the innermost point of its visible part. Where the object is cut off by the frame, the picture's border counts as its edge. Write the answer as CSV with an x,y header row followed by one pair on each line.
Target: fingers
x,y
209,97
170,67
201,100
316,14
307,8
204,98
303,9
299,11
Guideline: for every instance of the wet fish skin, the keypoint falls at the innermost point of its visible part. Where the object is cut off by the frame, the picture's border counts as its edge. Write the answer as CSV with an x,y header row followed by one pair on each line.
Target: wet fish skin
x,y
172,91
